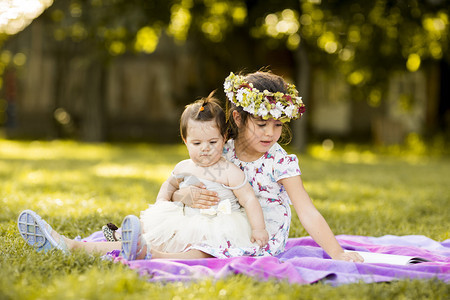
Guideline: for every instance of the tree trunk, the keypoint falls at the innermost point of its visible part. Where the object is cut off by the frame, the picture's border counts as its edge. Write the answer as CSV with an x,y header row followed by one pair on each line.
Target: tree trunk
x,y
93,124
433,84
303,70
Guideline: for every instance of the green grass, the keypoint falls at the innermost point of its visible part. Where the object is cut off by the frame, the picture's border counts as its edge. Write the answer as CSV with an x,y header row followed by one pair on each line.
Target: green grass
x,y
79,187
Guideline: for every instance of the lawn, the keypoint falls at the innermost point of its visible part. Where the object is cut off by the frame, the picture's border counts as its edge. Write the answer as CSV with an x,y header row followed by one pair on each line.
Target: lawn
x,y
79,187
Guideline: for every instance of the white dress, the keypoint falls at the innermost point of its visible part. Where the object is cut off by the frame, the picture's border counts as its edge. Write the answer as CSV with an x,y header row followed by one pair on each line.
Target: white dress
x,y
264,175
173,227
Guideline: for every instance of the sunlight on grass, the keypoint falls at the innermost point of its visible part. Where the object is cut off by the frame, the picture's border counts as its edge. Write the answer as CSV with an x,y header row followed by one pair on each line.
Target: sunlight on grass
x,y
348,155
53,150
74,180
158,173
79,187
70,179
414,151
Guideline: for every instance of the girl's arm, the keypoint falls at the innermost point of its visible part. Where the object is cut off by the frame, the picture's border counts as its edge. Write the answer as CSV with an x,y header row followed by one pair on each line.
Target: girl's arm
x,y
248,200
314,222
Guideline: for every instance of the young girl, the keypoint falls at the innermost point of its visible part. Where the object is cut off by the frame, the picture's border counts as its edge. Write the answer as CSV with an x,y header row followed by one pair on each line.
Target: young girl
x,y
170,227
258,107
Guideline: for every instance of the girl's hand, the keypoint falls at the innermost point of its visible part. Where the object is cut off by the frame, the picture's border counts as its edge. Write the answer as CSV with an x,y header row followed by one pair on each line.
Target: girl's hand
x,y
350,256
197,196
260,236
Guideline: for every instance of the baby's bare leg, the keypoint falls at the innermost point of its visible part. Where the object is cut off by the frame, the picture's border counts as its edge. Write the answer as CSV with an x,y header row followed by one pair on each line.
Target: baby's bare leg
x,y
190,254
93,247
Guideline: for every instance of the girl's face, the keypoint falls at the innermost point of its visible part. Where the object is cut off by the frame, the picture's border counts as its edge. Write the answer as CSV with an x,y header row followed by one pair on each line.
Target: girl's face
x,y
257,135
204,142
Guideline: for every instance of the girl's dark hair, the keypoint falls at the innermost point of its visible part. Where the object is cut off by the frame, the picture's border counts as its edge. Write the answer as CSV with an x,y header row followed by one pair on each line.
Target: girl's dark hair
x,y
205,109
261,81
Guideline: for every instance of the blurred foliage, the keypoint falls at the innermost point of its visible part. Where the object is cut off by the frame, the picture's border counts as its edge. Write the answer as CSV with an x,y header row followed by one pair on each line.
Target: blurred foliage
x,y
364,40
115,26
361,38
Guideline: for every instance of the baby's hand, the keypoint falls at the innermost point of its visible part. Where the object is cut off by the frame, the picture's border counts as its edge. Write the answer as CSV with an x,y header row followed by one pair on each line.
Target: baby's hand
x,y
350,256
260,236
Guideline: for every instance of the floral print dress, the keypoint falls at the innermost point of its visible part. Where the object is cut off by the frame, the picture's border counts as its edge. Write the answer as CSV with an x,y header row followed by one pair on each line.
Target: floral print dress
x,y
172,227
263,175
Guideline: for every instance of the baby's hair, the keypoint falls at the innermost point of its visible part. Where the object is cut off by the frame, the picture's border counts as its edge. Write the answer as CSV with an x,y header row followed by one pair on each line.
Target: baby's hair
x,y
204,109
261,80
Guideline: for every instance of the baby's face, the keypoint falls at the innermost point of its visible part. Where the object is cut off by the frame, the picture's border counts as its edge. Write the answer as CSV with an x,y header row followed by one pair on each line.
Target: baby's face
x,y
204,142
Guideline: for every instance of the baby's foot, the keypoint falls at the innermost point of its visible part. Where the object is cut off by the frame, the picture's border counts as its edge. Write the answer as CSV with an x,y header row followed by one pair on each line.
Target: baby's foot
x,y
131,229
39,234
133,244
64,241
110,233
143,252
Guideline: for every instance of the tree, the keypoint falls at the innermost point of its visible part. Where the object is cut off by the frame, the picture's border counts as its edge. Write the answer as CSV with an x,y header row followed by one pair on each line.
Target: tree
x,y
363,40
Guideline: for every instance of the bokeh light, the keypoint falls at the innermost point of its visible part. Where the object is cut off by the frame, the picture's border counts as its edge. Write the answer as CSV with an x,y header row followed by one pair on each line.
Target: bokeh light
x,y
356,77
284,24
180,20
147,39
413,62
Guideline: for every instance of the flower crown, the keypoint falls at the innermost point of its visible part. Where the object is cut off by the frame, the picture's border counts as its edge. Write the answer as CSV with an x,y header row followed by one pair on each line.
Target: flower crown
x,y
279,106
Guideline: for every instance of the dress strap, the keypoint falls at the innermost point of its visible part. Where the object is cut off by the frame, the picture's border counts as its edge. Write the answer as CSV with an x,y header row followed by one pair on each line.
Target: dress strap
x,y
178,176
239,186
186,178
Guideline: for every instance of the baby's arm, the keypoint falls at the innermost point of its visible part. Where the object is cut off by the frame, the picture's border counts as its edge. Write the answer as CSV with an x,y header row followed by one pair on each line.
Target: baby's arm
x,y
195,196
170,185
248,200
167,189
313,221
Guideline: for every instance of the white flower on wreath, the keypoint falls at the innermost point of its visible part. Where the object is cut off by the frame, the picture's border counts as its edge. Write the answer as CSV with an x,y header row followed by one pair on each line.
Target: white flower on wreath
x,y
250,108
227,85
280,106
262,110
240,95
277,111
230,96
289,110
